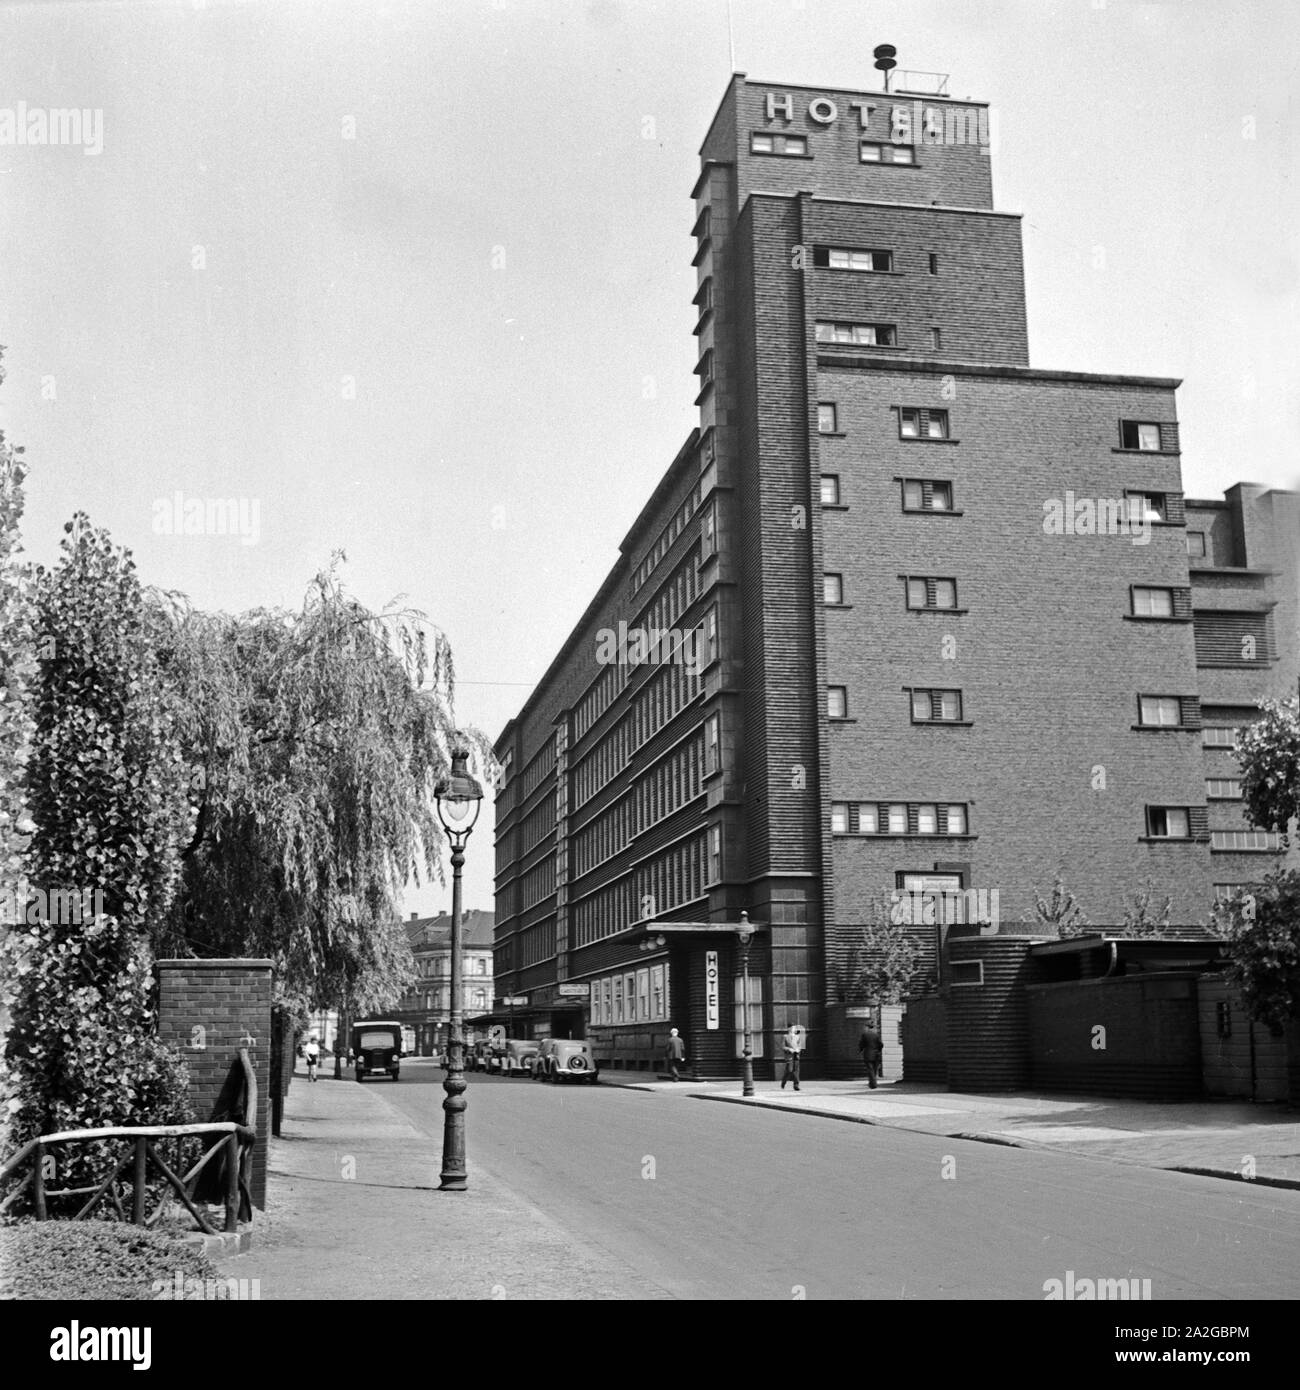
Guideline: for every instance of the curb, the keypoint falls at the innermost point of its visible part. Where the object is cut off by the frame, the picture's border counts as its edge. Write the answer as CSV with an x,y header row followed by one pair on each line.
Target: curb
x,y
220,1245
974,1137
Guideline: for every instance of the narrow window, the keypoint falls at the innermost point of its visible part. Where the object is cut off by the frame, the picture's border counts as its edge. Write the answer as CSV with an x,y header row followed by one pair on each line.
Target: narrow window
x,y
830,489
837,702
898,820
936,339
934,263
1195,544
826,418
833,588
839,818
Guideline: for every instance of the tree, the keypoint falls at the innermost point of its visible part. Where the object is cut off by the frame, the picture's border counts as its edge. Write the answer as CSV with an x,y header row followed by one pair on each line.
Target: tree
x,y
314,741
1141,920
883,964
1269,753
107,814
1262,925
1262,928
1061,911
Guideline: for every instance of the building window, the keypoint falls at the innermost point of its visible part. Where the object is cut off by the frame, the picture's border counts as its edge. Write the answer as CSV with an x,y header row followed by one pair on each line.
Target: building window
x,y
936,706
966,972
1162,711
755,1014
927,820
832,588
827,418
956,820
762,142
897,820
1152,603
1148,506
867,819
715,854
1223,788
1140,434
712,743
711,637
922,495
1246,841
841,258
931,593
934,263
872,152
860,334
1196,545
839,817
837,702
917,423
830,489
709,530
1168,823
936,339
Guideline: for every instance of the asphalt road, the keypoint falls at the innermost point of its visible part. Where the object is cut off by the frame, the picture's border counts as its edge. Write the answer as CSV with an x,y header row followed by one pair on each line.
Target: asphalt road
x,y
706,1200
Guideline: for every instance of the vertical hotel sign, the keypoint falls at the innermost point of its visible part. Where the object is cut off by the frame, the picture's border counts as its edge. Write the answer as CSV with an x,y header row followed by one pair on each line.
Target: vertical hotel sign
x,y
711,1010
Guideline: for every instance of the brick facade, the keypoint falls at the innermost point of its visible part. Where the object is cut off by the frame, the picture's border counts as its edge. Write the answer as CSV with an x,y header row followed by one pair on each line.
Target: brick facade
x,y
208,1010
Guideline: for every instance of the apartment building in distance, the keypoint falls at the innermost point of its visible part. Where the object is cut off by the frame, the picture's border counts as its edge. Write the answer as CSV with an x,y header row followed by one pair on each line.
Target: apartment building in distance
x,y
426,1009
905,614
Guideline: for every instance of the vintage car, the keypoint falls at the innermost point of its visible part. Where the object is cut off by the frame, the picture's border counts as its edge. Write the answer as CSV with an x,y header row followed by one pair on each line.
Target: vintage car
x,y
565,1059
514,1058
377,1047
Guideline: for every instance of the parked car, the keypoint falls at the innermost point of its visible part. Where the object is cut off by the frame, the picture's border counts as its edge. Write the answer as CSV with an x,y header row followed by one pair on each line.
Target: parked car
x,y
516,1058
566,1059
377,1047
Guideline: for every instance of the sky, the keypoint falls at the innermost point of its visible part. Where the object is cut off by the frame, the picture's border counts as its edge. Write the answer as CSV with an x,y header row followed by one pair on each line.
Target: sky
x,y
414,281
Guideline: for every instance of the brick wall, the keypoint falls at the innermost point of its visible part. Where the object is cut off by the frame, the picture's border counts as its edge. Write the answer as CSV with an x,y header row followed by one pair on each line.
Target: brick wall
x,y
1152,1040
208,1010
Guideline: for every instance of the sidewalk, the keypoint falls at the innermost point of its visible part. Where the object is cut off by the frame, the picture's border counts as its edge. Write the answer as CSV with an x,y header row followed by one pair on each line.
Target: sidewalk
x,y
1223,1139
354,1211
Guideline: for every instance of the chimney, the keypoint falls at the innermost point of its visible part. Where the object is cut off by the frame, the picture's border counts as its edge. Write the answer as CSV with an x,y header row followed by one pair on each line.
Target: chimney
x,y
415,917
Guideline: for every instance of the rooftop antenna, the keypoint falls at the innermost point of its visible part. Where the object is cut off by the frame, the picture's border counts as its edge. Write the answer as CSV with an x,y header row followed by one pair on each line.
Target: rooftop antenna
x,y
885,55
731,40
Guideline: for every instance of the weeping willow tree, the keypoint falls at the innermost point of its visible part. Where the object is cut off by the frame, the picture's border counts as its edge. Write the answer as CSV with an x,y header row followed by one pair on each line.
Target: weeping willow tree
x,y
314,742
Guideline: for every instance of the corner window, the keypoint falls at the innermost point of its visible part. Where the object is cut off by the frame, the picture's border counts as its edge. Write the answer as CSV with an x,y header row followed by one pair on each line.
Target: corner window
x,y
917,423
832,588
922,495
1161,711
1152,603
1168,823
1140,434
827,422
873,152
830,489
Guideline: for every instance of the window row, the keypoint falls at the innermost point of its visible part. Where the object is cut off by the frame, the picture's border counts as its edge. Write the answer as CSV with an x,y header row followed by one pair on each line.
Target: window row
x,y
539,769
539,882
924,592
898,818
675,597
535,944
669,786
605,837
675,526
639,996
857,334
764,142
670,690
1255,841
796,147
537,825
605,761
677,876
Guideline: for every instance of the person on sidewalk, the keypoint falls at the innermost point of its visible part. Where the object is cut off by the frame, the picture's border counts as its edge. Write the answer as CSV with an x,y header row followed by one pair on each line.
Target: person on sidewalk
x,y
792,1046
312,1053
872,1049
676,1053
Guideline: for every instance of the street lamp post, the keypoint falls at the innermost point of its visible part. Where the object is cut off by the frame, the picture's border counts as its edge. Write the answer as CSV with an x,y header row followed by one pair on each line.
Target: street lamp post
x,y
458,798
745,934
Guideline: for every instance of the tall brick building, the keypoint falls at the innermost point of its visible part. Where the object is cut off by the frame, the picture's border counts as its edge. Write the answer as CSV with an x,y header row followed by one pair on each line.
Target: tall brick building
x,y
927,616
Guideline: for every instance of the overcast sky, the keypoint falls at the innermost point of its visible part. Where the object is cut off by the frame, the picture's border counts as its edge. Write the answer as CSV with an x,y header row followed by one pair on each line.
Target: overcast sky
x,y
416,277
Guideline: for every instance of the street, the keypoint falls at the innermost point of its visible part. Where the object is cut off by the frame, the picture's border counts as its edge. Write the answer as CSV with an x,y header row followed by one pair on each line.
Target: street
x,y
707,1200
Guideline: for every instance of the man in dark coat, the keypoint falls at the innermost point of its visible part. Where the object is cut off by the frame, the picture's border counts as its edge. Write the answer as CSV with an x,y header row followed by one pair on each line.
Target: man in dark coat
x,y
676,1053
871,1047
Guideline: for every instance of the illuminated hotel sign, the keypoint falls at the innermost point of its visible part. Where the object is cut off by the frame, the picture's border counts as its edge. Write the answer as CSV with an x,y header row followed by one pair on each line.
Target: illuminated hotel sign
x,y
914,123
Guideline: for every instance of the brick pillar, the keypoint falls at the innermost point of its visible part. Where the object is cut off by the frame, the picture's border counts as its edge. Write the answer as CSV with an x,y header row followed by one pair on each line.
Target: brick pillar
x,y
208,1010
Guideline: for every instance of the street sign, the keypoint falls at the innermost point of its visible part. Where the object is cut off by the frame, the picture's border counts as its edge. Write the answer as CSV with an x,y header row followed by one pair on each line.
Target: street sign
x,y
513,1000
576,991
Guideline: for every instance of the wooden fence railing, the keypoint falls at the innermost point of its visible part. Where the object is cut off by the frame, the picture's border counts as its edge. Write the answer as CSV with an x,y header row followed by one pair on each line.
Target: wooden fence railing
x,y
230,1138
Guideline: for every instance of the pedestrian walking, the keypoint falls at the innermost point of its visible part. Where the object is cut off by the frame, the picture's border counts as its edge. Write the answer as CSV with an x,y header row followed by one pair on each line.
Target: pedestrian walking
x,y
792,1046
312,1054
676,1053
871,1047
